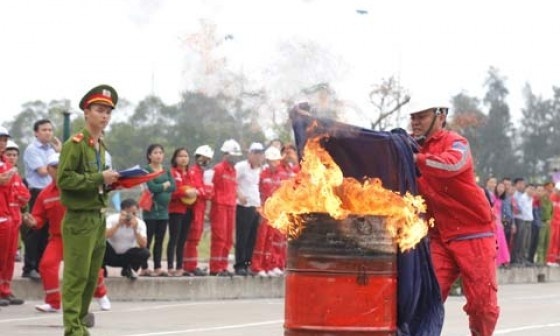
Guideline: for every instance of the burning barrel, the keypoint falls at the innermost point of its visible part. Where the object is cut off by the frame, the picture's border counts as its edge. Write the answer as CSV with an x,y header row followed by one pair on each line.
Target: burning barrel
x,y
341,278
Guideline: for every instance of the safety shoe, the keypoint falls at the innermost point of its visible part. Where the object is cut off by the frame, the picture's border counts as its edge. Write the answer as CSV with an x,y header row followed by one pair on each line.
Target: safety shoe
x,y
262,274
12,300
89,320
4,302
46,308
200,272
104,303
277,271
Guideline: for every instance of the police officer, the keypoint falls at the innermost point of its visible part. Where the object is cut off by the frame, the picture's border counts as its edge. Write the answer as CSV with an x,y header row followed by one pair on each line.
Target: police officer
x,y
82,179
462,240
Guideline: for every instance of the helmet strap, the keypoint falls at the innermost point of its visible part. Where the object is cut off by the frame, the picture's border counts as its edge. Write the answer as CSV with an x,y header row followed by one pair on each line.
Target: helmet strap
x,y
422,138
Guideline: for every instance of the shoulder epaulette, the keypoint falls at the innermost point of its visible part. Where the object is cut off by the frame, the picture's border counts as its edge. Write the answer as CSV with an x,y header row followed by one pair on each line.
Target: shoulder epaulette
x,y
78,137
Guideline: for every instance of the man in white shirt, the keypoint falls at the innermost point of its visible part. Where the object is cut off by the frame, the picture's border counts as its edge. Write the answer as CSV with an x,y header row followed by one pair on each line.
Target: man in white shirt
x,y
126,240
522,218
248,200
35,159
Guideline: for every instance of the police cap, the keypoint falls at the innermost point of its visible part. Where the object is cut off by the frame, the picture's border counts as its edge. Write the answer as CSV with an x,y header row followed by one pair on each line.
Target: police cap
x,y
101,94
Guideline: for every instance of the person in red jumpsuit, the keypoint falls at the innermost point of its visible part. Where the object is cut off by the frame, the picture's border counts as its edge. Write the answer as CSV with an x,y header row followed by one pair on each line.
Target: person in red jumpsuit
x,y
269,253
290,162
202,156
47,208
462,240
553,252
13,196
222,213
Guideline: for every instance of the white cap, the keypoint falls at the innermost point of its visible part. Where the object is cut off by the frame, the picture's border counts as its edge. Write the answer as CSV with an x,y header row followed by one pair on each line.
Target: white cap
x,y
204,150
256,147
231,147
272,154
4,132
52,160
12,145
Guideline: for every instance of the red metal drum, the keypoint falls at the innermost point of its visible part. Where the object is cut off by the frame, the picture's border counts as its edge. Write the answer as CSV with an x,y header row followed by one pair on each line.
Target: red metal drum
x,y
341,278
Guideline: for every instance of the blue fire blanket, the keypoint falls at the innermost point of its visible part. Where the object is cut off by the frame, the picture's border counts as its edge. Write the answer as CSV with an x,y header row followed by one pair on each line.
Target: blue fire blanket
x,y
387,155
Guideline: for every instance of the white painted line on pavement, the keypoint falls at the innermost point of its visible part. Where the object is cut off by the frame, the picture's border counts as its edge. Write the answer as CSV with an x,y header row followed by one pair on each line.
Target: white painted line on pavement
x,y
198,330
144,308
51,315
203,303
525,328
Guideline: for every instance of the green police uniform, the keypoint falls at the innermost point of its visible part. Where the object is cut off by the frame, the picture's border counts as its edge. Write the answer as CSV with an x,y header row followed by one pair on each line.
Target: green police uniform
x,y
85,197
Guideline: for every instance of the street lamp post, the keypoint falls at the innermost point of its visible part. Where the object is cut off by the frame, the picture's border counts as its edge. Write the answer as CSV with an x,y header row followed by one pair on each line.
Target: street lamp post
x,y
66,125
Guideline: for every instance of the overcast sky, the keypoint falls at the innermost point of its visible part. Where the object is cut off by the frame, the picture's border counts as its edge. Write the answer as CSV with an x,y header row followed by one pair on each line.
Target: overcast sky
x,y
61,48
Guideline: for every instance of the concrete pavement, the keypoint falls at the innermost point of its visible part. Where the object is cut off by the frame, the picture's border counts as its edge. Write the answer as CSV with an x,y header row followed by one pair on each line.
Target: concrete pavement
x,y
526,309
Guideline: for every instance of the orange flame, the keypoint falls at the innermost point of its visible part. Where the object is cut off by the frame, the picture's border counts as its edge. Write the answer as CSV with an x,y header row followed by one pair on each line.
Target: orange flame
x,y
321,188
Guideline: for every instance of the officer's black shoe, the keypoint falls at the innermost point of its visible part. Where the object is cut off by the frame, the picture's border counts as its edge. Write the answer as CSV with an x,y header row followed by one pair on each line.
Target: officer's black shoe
x,y
241,272
129,273
33,275
89,320
12,300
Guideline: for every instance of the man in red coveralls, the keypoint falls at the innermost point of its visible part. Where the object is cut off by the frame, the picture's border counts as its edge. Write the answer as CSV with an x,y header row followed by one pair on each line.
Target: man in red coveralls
x,y
222,214
269,254
553,252
462,240
202,155
47,208
13,196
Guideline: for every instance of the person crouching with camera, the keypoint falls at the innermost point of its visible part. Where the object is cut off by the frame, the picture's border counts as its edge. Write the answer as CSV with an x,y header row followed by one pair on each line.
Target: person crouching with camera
x,y
126,240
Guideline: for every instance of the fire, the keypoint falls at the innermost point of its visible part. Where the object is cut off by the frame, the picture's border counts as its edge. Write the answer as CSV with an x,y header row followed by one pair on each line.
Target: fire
x,y
321,188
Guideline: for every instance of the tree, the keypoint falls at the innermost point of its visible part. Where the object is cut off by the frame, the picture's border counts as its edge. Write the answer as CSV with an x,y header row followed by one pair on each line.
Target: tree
x,y
387,98
536,133
212,120
497,157
21,127
149,123
467,119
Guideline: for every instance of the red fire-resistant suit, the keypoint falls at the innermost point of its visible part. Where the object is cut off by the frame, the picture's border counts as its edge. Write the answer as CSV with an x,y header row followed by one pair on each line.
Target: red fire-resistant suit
x,y
222,215
190,260
19,196
270,246
553,253
48,208
11,193
462,241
